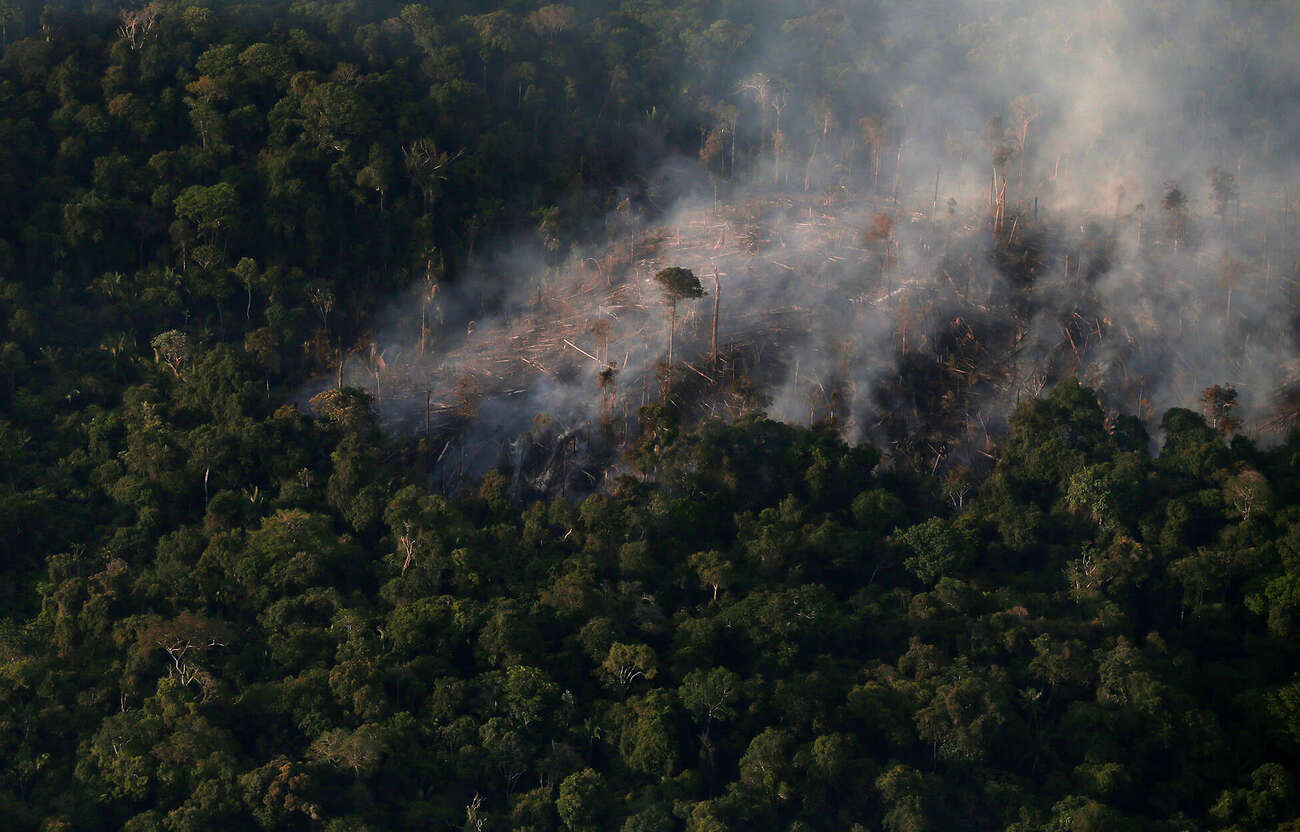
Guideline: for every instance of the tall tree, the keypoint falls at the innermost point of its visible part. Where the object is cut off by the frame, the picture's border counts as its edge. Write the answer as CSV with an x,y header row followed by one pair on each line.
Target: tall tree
x,y
1175,205
677,284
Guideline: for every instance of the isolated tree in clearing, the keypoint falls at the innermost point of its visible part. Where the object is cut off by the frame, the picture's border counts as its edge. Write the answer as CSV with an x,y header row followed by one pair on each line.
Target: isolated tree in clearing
x,y
1175,205
677,284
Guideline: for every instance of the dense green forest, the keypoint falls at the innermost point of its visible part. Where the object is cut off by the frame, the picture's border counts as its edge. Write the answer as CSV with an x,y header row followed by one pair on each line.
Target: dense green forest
x,y
224,607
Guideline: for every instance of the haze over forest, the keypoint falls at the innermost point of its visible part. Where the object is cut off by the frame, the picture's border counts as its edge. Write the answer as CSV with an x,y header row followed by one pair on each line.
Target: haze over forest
x,y
904,202
649,415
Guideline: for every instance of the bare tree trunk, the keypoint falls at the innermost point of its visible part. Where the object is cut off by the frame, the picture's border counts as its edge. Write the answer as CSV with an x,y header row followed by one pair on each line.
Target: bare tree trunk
x,y
934,204
898,166
1268,275
1000,205
1020,168
672,329
731,161
717,300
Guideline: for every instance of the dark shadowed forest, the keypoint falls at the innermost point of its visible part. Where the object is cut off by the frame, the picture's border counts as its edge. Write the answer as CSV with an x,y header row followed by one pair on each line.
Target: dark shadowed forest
x,y
649,416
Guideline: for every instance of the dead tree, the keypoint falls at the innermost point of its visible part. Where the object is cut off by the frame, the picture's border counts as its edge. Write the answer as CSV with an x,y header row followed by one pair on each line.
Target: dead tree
x,y
1217,403
428,168
378,366
778,136
873,133
137,23
1026,109
877,236
185,639
1001,155
717,299
759,86
934,206
434,269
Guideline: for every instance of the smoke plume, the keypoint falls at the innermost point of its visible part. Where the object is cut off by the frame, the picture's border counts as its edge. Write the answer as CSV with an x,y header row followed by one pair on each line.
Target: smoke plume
x,y
918,214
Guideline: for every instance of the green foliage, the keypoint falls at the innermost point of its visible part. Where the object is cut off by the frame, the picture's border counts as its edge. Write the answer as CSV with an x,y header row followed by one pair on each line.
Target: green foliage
x,y
677,284
940,548
730,644
581,802
218,612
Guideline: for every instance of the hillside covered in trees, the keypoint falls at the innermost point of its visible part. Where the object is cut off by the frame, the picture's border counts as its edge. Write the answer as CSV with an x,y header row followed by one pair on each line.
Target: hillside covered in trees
x,y
648,416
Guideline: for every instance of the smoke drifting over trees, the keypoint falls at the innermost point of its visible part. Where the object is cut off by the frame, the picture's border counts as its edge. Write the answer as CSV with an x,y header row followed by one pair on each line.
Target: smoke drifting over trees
x,y
924,212
893,221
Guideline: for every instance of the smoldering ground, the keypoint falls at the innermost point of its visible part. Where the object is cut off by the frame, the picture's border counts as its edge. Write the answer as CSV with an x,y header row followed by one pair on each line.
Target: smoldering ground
x,y
918,215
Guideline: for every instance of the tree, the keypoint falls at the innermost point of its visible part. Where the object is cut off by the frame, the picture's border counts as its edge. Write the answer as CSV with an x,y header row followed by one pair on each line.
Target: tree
x,y
646,740
1248,493
173,349
359,750
496,33
878,233
349,407
626,663
765,766
552,21
211,212
677,284
377,175
939,548
582,802
1083,814
713,571
10,12
909,798
1175,205
1217,404
717,300
334,114
709,695
506,749
703,818
828,761
1223,190
873,133
185,639
529,696
761,89
1026,109
291,551
428,168
965,717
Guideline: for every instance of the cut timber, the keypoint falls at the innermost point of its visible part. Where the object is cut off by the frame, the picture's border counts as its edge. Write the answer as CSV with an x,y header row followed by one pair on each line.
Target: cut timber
x,y
581,350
